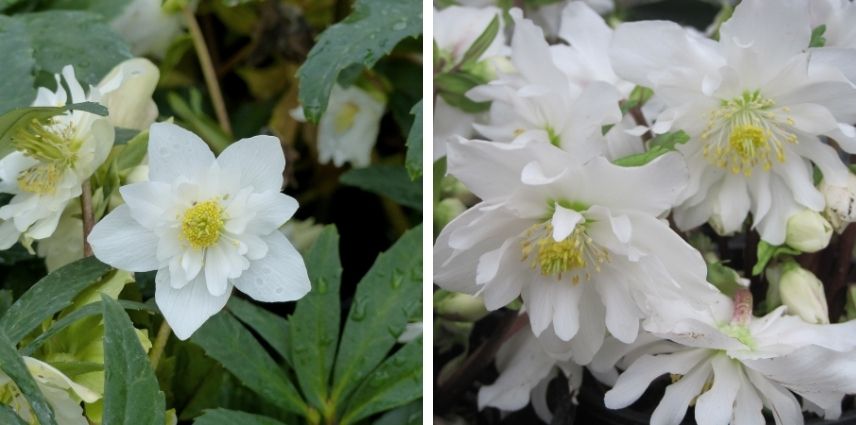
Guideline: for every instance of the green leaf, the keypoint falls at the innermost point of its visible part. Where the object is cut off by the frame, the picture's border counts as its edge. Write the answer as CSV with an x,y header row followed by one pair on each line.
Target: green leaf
x,y
817,38
480,45
16,77
133,152
17,119
131,391
200,123
410,414
414,143
271,327
13,365
658,146
8,416
386,296
370,32
232,417
49,295
637,98
106,8
315,323
391,181
224,339
767,252
397,381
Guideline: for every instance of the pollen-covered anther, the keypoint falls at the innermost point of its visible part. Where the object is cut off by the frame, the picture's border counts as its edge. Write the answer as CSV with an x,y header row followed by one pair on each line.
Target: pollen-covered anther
x,y
577,253
202,224
41,178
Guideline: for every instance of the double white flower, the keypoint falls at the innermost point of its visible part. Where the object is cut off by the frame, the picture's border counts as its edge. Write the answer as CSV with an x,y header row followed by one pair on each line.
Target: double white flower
x,y
206,225
754,104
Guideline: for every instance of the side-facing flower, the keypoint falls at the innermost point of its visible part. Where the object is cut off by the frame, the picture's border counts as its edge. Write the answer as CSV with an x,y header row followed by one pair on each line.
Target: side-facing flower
x,y
147,27
206,225
754,104
127,93
51,160
581,243
732,367
808,231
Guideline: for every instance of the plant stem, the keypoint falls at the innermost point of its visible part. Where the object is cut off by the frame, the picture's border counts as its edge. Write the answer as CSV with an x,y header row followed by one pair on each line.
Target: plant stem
x,y
207,70
160,343
838,281
88,215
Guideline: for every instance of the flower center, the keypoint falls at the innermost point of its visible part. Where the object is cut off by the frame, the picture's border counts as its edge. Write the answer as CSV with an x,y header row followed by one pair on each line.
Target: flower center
x,y
574,254
53,146
740,333
202,224
744,133
345,117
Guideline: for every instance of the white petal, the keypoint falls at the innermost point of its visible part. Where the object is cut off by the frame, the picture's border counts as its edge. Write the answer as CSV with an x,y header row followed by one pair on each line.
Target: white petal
x,y
279,276
259,161
174,152
186,309
633,382
121,242
676,400
147,201
592,332
216,269
786,410
272,209
622,315
566,311
715,406
525,366
748,406
8,234
564,221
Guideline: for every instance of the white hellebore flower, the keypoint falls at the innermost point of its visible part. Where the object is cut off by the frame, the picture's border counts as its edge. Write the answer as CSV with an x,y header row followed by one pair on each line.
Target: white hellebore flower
x,y
581,243
349,127
808,231
61,393
127,93
732,365
147,27
206,225
51,160
754,104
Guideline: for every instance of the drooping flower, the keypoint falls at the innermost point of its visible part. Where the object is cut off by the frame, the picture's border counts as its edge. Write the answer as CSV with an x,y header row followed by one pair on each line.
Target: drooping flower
x,y
579,242
62,394
51,160
127,90
732,365
147,27
206,225
754,104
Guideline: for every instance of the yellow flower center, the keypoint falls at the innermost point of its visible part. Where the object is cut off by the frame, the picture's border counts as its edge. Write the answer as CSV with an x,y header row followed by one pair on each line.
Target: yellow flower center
x,y
745,133
345,117
53,146
575,254
202,224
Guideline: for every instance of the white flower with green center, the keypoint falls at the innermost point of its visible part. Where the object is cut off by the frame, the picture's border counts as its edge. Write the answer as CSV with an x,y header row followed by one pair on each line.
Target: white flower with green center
x,y
581,243
754,104
61,393
206,225
731,365
51,160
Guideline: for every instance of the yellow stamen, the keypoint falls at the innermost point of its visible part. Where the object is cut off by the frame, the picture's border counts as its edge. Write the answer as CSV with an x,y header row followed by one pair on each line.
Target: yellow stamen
x,y
41,178
345,117
202,224
577,253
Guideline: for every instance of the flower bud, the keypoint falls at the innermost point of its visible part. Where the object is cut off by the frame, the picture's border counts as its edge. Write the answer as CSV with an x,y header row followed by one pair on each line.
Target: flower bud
x,y
840,203
808,231
802,292
446,211
461,307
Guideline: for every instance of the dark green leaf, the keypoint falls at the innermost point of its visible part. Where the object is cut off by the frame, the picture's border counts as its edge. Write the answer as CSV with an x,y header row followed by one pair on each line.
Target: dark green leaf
x,y
414,143
124,135
49,295
232,417
315,323
817,38
391,181
224,339
397,381
386,296
372,30
16,80
410,414
13,365
659,146
132,394
480,45
271,327
8,416
464,103
106,8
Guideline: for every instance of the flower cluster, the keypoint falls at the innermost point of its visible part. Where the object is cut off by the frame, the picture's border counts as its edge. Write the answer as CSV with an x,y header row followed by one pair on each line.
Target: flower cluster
x,y
603,159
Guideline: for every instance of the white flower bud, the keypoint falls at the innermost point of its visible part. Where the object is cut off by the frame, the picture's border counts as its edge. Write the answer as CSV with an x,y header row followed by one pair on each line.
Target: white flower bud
x,y
461,307
808,231
840,203
802,292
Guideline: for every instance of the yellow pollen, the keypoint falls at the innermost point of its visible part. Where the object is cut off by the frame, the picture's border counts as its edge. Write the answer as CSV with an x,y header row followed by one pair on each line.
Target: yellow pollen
x,y
576,253
745,133
344,119
202,224
55,148
41,178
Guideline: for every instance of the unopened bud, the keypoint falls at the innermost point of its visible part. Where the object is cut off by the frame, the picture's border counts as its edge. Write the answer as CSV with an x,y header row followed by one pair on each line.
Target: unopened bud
x,y
461,307
840,203
802,292
808,231
446,210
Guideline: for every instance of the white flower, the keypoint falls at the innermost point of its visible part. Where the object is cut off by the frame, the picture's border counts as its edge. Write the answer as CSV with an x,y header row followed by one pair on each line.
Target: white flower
x,y
754,104
840,202
61,393
206,225
808,231
349,127
838,16
802,292
580,242
751,363
147,28
547,15
456,28
127,93
51,161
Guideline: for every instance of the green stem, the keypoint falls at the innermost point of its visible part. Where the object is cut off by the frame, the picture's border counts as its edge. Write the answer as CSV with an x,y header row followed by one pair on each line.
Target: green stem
x,y
207,70
159,345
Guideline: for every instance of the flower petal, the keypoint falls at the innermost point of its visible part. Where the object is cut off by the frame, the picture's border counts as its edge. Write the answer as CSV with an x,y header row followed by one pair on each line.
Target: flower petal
x,y
279,276
258,161
121,242
633,382
186,309
673,406
175,152
564,221
715,406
